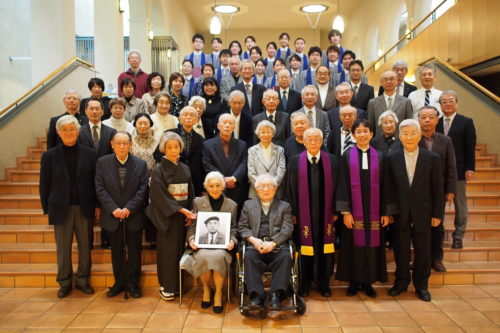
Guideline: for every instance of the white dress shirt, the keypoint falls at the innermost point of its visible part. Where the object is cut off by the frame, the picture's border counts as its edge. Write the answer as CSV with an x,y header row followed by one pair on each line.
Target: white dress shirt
x,y
417,98
323,91
411,163
236,131
386,97
309,157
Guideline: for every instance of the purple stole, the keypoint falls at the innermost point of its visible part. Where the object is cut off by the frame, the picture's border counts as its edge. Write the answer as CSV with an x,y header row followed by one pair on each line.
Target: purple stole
x,y
306,241
357,200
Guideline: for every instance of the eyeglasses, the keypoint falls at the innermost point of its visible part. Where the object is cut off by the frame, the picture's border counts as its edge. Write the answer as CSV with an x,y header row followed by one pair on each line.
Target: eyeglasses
x,y
266,186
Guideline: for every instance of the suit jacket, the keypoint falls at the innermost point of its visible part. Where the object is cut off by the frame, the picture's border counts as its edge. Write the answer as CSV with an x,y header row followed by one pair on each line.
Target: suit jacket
x,y
258,165
54,186
330,100
463,136
293,101
53,138
362,97
226,83
322,122
280,220
407,89
423,199
442,145
401,106
245,132
235,164
333,117
113,195
333,143
282,123
208,128
257,94
220,239
104,145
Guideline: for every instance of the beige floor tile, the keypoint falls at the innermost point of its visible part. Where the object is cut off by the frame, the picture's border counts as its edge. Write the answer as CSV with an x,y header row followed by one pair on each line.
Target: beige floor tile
x,y
393,319
20,293
432,319
139,305
103,307
494,316
69,306
282,320
467,291
353,319
481,329
236,320
129,320
493,289
321,330
163,330
34,307
340,293
3,291
414,305
166,320
452,304
122,330
470,319
163,306
454,329
7,306
351,305
318,305
46,294
318,319
402,330
484,303
205,330
48,330
197,320
53,320
376,305
18,320
281,330
241,330
374,329
442,292
91,320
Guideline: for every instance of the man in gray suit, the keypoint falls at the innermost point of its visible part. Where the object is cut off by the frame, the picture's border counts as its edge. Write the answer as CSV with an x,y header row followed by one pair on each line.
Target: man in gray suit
x,y
266,224
280,119
229,81
317,118
390,100
326,91
428,117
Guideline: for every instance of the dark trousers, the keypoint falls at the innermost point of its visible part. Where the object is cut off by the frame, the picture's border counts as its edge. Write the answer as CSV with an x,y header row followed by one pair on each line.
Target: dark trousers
x,y
437,237
318,267
422,253
78,225
169,250
134,246
278,262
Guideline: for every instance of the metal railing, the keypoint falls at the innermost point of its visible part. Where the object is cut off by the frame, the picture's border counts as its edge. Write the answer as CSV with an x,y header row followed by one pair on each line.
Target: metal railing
x,y
85,49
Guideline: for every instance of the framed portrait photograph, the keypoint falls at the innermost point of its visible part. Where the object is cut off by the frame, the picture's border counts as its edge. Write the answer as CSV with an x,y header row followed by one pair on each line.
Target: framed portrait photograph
x,y
213,230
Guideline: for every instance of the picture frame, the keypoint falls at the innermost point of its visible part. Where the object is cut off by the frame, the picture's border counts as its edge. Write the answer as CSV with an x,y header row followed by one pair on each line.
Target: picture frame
x,y
213,230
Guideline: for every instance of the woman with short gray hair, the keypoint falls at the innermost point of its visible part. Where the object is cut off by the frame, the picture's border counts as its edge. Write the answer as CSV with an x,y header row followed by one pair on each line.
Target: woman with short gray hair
x,y
388,140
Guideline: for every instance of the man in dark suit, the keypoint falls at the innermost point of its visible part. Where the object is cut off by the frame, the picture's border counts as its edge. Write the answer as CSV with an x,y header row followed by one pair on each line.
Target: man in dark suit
x,y
400,105
317,117
266,224
414,186
462,132
326,91
68,196
253,91
362,92
243,121
344,94
290,100
403,88
214,235
228,155
71,102
280,119
341,138
122,184
428,117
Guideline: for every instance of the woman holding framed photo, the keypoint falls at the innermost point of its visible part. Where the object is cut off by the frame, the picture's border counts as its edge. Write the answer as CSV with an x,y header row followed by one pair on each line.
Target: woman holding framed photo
x,y
212,262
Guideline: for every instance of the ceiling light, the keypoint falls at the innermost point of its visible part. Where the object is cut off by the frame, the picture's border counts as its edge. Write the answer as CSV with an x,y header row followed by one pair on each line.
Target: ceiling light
x,y
338,23
215,25
226,9
314,8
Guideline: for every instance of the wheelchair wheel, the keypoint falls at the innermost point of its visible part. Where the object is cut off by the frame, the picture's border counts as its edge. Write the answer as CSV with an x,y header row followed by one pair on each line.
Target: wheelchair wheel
x,y
301,306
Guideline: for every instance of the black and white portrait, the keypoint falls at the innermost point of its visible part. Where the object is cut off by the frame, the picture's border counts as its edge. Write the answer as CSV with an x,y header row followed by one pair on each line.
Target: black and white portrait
x,y
213,229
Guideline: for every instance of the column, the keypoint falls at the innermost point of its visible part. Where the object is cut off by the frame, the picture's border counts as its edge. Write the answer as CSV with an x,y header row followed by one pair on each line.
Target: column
x,y
139,23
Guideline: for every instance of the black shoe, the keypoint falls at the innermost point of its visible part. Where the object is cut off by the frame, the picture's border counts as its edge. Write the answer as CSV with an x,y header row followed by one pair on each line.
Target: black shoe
x,y
457,244
438,266
135,292
86,289
64,291
276,300
113,291
218,309
325,292
206,305
396,291
369,291
352,290
255,302
424,295
106,245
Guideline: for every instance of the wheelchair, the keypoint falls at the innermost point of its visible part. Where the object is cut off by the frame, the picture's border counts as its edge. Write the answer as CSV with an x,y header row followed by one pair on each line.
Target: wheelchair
x,y
295,303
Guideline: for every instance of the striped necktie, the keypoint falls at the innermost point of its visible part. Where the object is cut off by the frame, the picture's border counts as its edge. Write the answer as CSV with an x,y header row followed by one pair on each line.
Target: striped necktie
x,y
427,97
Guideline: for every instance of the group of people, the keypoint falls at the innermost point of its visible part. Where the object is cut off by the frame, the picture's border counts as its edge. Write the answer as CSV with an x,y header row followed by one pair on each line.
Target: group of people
x,y
310,155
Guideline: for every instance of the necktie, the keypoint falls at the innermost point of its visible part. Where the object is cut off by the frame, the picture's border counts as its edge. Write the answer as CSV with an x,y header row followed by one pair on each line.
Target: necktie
x,y
347,142
212,239
284,99
427,97
310,118
389,103
248,89
271,118
355,89
95,136
314,158
447,126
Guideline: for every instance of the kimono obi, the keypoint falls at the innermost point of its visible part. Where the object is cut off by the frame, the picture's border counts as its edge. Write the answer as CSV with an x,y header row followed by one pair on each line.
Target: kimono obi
x,y
179,192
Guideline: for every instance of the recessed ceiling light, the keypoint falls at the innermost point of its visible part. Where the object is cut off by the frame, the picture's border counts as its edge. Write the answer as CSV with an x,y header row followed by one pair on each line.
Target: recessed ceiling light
x,y
314,8
226,9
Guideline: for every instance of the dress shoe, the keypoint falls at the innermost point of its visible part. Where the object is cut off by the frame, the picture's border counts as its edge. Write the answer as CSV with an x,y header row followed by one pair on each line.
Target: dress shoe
x,y
369,291
64,291
276,300
457,244
255,302
135,292
86,289
325,292
438,266
396,291
206,305
218,309
106,245
352,290
167,296
424,295
113,291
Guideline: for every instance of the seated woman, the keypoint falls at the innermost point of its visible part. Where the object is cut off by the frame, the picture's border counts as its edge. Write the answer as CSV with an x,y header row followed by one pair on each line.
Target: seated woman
x,y
96,87
389,140
208,263
266,157
204,127
116,121
163,119
134,105
155,83
207,70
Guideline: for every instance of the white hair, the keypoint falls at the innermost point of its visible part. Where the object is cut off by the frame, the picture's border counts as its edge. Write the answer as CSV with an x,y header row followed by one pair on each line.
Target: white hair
x,y
312,131
247,61
261,178
67,120
388,113
214,175
400,63
188,109
226,116
344,85
72,91
265,123
200,99
283,72
410,123
424,67
270,92
131,52
299,114
309,86
236,93
348,108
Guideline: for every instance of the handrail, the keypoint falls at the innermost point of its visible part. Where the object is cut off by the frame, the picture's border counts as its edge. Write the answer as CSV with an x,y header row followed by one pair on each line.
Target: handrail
x,y
463,76
45,80
372,66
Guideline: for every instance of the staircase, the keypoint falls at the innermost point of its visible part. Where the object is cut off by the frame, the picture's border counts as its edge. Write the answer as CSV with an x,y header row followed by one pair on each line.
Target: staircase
x,y
28,254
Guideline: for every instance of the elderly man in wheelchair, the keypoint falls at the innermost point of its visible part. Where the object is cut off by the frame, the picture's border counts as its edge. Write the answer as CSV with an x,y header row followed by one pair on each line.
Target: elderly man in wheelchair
x,y
266,226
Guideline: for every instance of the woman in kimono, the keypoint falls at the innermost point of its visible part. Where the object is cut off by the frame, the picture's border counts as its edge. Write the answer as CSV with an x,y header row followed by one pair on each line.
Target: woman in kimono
x,y
171,194
208,263
359,199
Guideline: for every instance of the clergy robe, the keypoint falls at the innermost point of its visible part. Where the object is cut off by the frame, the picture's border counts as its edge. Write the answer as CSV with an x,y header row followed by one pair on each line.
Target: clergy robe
x,y
319,266
171,189
360,264
293,147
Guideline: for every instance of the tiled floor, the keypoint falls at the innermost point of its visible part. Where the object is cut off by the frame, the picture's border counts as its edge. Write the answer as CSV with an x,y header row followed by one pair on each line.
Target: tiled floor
x,y
457,308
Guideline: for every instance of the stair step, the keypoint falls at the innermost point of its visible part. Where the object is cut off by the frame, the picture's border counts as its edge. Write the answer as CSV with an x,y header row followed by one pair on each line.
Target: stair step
x,y
27,216
35,152
20,201
485,161
478,214
28,164
487,173
23,175
8,187
483,199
